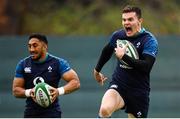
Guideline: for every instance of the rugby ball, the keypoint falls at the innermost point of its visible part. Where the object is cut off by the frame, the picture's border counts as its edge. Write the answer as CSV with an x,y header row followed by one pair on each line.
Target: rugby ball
x,y
130,51
42,94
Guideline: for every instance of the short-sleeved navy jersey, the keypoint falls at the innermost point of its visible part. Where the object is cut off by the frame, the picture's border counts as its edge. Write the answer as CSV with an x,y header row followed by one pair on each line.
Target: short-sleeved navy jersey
x,y
50,71
132,78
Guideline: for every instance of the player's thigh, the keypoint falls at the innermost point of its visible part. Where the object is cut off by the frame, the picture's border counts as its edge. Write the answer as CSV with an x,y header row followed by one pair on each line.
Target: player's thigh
x,y
131,115
112,100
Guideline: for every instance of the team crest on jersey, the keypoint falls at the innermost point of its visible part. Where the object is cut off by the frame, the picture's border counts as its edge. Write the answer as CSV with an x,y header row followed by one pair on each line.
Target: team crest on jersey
x,y
49,69
138,44
27,69
139,114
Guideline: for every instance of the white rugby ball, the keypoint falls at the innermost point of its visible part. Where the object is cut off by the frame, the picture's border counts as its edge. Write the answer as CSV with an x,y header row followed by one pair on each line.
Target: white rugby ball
x,y
42,94
130,51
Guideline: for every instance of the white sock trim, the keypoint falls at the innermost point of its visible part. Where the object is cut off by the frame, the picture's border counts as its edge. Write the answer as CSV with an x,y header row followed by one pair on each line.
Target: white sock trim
x,y
61,90
28,92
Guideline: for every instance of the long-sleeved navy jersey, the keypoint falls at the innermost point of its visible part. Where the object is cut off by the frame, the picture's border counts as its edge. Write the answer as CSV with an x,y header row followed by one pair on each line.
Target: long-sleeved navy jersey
x,y
134,78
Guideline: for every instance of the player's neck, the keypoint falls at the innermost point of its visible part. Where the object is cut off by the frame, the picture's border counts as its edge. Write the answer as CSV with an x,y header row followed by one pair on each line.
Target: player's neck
x,y
139,31
44,57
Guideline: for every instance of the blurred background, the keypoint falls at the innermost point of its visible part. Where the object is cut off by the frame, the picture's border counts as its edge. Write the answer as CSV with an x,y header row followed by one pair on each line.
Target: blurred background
x,y
77,31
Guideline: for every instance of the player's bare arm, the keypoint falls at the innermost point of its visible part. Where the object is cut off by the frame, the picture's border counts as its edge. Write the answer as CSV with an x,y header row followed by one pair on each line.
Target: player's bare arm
x,y
19,90
73,84
73,81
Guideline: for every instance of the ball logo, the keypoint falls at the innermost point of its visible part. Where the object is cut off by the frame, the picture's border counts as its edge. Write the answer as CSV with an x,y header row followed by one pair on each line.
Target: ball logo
x,y
120,45
38,80
40,93
42,98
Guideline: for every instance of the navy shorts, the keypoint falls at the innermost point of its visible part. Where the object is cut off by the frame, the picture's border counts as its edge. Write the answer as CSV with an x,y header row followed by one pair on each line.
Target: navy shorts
x,y
136,101
42,114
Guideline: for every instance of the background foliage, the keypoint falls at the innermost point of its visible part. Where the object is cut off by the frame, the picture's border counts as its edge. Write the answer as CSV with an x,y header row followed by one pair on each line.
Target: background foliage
x,y
90,17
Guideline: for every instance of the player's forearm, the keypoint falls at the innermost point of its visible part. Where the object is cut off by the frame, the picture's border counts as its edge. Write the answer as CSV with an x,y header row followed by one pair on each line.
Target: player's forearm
x,y
71,86
144,65
19,92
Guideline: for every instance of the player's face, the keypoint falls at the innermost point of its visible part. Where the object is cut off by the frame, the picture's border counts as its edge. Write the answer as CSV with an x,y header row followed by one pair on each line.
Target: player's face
x,y
131,23
37,49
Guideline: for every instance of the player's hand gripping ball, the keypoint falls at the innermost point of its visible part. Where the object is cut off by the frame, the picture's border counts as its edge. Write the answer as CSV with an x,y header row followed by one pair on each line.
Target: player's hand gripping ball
x,y
130,51
42,94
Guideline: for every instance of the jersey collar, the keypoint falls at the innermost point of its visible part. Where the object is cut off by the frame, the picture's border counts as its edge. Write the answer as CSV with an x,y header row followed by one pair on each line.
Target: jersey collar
x,y
42,61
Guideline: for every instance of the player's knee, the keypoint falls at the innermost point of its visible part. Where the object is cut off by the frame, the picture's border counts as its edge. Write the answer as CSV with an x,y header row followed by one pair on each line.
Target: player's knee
x,y
104,112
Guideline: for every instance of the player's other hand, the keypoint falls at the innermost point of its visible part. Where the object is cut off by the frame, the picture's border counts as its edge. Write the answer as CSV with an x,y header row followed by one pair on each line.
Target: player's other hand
x,y
32,93
99,77
54,93
120,51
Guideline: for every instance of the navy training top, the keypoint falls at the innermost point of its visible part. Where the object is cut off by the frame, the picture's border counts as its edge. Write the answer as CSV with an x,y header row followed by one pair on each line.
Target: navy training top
x,y
131,78
49,71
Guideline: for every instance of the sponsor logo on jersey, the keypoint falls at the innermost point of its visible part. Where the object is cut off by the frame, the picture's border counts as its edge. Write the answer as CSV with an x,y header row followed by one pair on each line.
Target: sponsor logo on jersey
x,y
27,69
125,66
38,80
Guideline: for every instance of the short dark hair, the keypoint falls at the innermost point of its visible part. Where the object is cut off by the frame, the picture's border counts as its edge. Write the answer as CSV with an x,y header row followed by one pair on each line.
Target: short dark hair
x,y
40,37
130,8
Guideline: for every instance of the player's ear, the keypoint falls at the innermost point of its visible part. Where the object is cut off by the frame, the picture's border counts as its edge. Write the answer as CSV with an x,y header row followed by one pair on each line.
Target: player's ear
x,y
140,20
45,46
